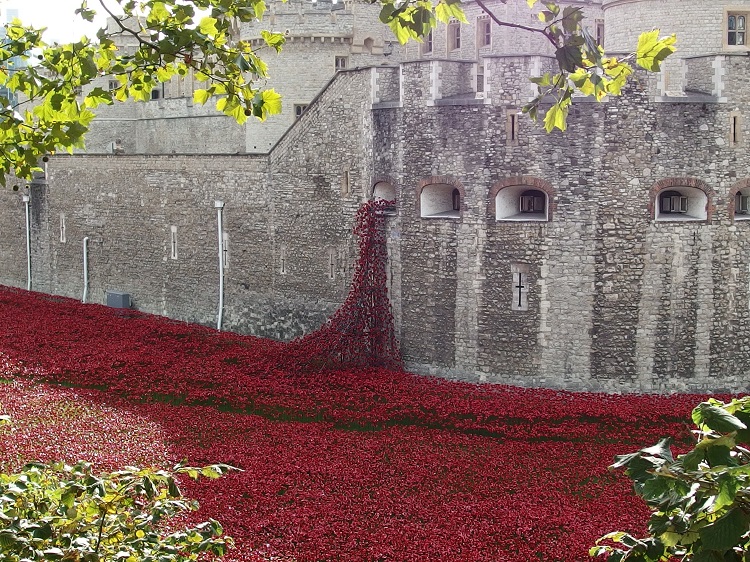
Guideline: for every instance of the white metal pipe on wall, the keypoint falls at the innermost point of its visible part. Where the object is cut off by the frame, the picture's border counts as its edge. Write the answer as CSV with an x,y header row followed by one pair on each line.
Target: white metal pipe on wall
x,y
219,205
26,199
85,269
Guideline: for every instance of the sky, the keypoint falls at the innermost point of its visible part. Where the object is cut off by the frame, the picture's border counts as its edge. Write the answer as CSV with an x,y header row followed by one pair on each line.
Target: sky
x,y
58,16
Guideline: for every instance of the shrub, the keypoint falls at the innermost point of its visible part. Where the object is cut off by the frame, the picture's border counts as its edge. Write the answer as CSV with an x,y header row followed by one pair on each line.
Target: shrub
x,y
700,500
69,513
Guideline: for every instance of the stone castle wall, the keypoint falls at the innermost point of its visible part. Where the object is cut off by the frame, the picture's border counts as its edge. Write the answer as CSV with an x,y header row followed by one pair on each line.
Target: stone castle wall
x,y
616,296
617,300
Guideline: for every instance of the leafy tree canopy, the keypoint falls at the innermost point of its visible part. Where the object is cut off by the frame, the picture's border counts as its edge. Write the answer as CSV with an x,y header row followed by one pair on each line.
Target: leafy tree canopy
x,y
49,101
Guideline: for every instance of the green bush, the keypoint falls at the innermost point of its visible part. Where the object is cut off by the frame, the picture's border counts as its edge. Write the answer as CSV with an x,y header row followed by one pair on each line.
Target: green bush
x,y
68,513
700,500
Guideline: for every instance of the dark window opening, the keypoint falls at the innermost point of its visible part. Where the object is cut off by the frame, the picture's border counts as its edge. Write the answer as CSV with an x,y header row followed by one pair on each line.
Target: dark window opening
x,y
485,32
673,202
736,29
532,201
456,197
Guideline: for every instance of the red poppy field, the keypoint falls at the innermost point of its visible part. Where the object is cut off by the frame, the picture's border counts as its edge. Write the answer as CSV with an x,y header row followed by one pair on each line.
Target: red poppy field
x,y
354,464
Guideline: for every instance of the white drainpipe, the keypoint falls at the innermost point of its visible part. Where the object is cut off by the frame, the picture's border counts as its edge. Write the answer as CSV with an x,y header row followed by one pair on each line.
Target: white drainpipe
x,y
85,268
26,199
219,205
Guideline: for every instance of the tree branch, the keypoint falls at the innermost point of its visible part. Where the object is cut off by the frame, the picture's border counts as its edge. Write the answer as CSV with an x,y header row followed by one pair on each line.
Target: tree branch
x,y
132,32
502,23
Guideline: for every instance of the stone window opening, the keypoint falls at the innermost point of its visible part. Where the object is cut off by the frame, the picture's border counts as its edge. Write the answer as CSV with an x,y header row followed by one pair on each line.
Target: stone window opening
x,y
113,84
599,31
673,202
156,94
331,264
299,109
282,261
484,31
735,128
341,63
369,43
480,78
521,203
454,36
346,183
739,201
173,242
519,288
63,237
742,205
533,201
385,191
511,126
426,46
225,248
736,29
440,201
681,203
456,199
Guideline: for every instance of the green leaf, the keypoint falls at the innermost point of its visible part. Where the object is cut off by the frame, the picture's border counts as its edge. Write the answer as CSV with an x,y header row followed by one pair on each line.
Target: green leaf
x,y
274,40
201,96
556,117
692,459
572,16
207,26
158,13
447,10
707,415
652,51
719,456
545,16
259,8
725,532
707,556
728,488
661,449
271,102
569,58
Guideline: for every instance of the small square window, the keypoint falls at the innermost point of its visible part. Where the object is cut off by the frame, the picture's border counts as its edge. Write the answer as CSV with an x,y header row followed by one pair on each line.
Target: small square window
x,y
736,29
114,84
341,63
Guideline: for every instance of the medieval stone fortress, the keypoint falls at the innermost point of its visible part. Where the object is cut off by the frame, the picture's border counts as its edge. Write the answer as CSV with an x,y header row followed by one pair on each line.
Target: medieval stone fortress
x,y
614,256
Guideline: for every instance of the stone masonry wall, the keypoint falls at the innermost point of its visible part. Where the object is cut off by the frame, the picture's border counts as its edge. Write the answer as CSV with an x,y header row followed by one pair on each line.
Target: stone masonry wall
x,y
700,27
616,298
